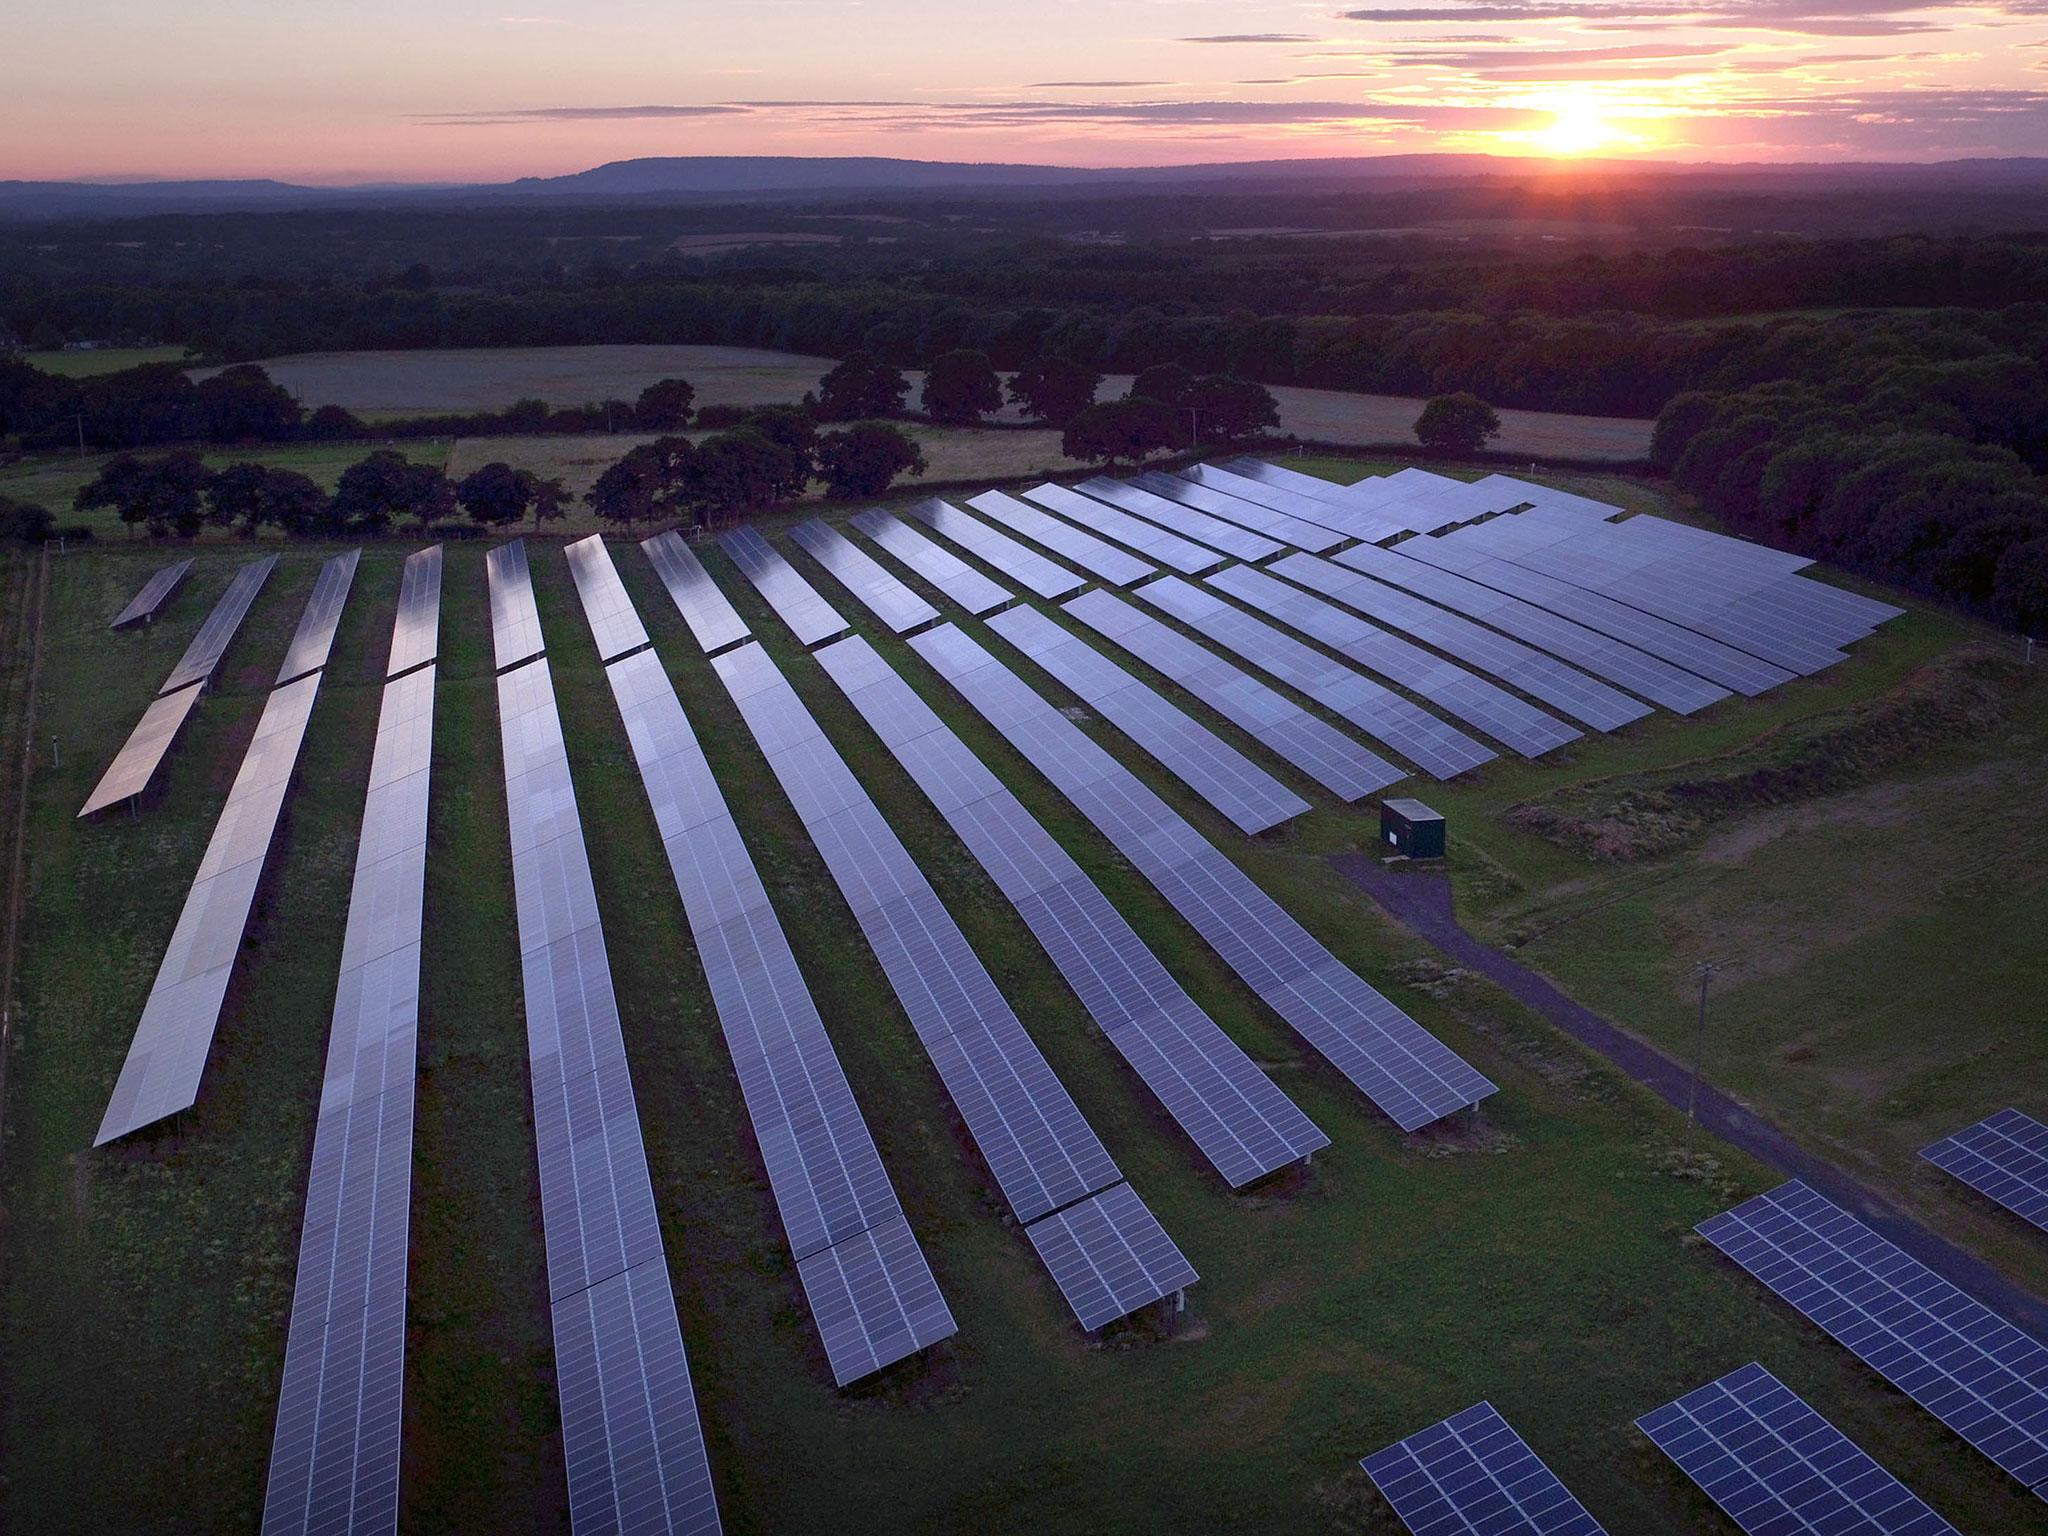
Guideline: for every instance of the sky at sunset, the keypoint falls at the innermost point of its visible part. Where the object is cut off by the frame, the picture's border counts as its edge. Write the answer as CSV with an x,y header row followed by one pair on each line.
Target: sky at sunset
x,y
463,90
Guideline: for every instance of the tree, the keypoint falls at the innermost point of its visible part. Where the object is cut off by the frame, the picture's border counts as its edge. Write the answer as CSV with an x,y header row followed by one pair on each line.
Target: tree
x,y
550,498
961,387
234,498
375,491
1126,430
1227,410
795,429
1165,382
665,405
860,388
23,521
737,471
241,404
255,496
1460,423
1054,390
333,424
495,495
864,459
633,490
161,494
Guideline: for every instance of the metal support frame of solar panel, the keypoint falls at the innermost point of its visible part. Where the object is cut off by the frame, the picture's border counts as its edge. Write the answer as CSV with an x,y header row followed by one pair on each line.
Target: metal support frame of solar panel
x,y
871,1293
219,626
1281,726
1249,797
1414,1077
632,1442
314,638
1265,521
706,609
1103,561
1437,748
1148,539
1181,519
1619,663
1955,1357
144,605
1682,647
515,617
1472,1475
1480,704
416,633
1585,699
614,624
1773,1465
944,570
334,1455
1352,524
1046,578
1240,1122
1043,1153
878,589
795,601
2003,1158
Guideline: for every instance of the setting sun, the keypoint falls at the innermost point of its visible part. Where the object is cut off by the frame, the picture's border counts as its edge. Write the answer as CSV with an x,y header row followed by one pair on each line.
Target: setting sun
x,y
1581,127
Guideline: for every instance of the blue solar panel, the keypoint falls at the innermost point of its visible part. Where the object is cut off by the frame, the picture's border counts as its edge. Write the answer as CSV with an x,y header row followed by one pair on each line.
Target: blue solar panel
x,y
1777,1468
143,606
1103,561
1472,1475
940,566
2004,1158
795,601
1953,1356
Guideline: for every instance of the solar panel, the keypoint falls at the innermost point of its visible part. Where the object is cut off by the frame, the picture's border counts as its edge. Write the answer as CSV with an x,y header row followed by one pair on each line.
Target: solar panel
x,y
1394,1061
134,766
945,570
1953,1356
1648,676
334,1458
1282,727
1437,748
1110,1256
1543,677
1774,1465
1177,517
1246,514
1348,521
143,606
704,608
613,623
168,1054
515,617
864,576
631,1441
314,638
416,636
1243,1125
795,601
218,629
1103,561
870,1290
1472,1475
2004,1158
1149,539
998,549
1238,788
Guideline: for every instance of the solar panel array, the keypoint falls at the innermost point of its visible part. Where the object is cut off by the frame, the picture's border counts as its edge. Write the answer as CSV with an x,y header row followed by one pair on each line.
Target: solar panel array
x,y
871,1292
1238,788
211,643
795,601
1149,539
879,591
945,570
1348,521
134,766
1264,521
1472,1475
334,1456
313,641
1414,1077
631,1439
1525,728
1243,1125
614,625
1543,677
1952,1355
515,618
704,607
1775,1466
2004,1158
1434,746
1101,560
416,633
1281,726
143,606
998,549
1176,517
1034,1139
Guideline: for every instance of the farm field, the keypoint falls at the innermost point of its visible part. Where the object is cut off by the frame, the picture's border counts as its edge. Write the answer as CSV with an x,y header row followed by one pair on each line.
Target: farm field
x,y
86,365
1538,1255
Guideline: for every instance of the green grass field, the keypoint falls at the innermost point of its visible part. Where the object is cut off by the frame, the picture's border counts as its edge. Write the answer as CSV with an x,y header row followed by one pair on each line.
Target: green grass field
x,y
86,365
1540,1257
